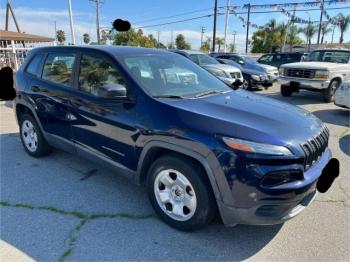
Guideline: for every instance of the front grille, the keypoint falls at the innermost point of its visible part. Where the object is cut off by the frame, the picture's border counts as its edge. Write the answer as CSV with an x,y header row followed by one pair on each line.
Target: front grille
x,y
235,75
301,73
315,147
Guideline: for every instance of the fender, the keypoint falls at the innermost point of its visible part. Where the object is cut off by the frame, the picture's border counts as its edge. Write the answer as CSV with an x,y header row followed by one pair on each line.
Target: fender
x,y
208,160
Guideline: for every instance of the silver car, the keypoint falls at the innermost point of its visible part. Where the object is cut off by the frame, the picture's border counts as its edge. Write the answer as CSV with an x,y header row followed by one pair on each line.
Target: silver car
x,y
342,95
227,73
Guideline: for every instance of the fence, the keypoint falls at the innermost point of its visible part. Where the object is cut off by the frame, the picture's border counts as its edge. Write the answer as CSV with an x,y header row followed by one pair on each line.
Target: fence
x,y
13,53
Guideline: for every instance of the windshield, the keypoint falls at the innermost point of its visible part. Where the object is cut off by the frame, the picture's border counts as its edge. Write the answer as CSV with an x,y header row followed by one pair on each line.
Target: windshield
x,y
169,75
249,60
203,59
332,56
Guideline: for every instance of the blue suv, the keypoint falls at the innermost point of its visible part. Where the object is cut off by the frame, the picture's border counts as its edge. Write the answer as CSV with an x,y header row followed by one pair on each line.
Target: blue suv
x,y
200,147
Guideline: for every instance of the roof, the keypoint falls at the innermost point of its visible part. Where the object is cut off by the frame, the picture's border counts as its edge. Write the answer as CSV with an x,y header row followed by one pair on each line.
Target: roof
x,y
189,52
110,49
10,35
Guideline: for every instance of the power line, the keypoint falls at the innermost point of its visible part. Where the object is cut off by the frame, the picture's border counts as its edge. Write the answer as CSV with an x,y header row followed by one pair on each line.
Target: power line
x,y
252,12
177,15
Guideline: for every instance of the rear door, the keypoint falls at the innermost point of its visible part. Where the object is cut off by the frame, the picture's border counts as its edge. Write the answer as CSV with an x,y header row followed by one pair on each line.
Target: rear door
x,y
50,88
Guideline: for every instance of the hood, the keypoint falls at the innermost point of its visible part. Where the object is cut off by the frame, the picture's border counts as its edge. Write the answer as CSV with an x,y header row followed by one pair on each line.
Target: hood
x,y
316,65
255,67
224,67
249,116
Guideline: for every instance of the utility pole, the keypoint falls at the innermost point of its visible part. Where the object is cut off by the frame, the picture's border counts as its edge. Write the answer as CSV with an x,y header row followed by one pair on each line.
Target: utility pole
x,y
55,33
214,29
308,35
158,45
234,38
320,25
98,2
248,24
71,21
333,34
290,22
202,33
226,23
172,40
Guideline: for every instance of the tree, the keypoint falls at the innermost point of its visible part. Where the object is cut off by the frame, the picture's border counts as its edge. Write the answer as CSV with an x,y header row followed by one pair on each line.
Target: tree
x,y
309,31
206,45
324,30
60,36
140,32
219,41
232,47
293,38
181,43
86,38
105,35
132,38
271,30
343,25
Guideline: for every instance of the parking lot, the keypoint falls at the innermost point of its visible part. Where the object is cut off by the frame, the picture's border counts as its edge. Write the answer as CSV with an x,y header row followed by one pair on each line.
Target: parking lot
x,y
65,208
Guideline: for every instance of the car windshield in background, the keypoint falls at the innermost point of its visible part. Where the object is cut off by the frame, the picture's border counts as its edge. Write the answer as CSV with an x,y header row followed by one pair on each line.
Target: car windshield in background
x,y
250,60
172,76
329,56
202,59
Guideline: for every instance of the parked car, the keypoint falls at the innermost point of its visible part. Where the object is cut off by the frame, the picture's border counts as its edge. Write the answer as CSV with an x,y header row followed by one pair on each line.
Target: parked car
x,y
324,71
278,59
254,74
226,73
342,95
198,146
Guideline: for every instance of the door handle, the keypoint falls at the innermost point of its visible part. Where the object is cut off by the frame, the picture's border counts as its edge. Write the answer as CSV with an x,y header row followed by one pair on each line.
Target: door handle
x,y
35,89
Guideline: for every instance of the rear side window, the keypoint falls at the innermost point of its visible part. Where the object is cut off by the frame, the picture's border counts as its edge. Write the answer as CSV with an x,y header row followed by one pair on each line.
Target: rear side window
x,y
58,69
34,67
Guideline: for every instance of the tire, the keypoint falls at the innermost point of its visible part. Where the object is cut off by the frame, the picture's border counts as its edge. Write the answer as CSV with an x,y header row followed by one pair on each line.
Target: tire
x,y
286,90
247,84
328,94
177,183
32,139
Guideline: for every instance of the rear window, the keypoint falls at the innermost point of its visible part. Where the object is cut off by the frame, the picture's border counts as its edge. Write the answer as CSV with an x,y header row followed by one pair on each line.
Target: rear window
x,y
34,67
58,68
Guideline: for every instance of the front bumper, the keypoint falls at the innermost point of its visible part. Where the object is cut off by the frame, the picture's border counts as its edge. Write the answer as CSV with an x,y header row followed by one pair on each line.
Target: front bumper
x,y
255,205
304,83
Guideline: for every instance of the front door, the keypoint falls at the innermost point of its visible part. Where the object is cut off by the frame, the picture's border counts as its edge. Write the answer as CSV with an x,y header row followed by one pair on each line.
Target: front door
x,y
104,125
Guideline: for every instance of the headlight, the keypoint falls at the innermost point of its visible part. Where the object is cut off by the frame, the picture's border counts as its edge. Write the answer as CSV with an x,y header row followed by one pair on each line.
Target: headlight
x,y
281,71
255,77
258,148
321,74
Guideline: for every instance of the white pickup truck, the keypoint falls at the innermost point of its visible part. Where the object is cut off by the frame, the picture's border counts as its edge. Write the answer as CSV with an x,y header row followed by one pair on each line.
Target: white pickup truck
x,y
323,71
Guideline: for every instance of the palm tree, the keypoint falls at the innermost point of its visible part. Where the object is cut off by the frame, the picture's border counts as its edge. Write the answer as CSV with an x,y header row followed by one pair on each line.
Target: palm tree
x,y
271,29
219,41
86,38
343,25
309,31
231,47
61,37
293,38
324,30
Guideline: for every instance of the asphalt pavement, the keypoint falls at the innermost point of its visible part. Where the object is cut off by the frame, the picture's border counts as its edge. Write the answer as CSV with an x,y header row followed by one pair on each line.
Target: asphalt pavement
x,y
62,207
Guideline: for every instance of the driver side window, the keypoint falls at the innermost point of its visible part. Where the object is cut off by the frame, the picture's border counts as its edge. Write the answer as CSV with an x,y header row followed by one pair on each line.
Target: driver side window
x,y
97,76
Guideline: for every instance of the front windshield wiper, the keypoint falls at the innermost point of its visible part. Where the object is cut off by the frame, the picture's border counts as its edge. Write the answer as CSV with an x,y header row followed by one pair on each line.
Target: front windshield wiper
x,y
169,96
211,92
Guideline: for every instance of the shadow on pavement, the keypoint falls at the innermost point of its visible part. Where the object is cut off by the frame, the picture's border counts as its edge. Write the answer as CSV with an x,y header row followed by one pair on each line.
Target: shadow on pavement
x,y
56,181
301,98
344,144
337,116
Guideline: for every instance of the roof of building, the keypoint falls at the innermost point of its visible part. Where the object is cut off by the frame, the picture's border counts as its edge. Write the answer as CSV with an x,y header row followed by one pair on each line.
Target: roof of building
x,y
10,35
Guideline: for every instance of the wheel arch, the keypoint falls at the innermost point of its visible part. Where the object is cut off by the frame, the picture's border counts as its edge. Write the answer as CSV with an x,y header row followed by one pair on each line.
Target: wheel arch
x,y
155,149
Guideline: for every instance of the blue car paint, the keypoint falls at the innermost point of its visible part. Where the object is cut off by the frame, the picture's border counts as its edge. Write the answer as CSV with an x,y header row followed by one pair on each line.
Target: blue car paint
x,y
121,132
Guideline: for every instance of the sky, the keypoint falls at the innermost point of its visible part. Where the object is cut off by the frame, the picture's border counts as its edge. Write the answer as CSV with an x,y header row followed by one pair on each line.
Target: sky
x,y
39,16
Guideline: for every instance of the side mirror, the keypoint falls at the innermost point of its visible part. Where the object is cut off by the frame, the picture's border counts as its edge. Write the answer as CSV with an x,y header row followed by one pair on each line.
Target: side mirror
x,y
112,91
